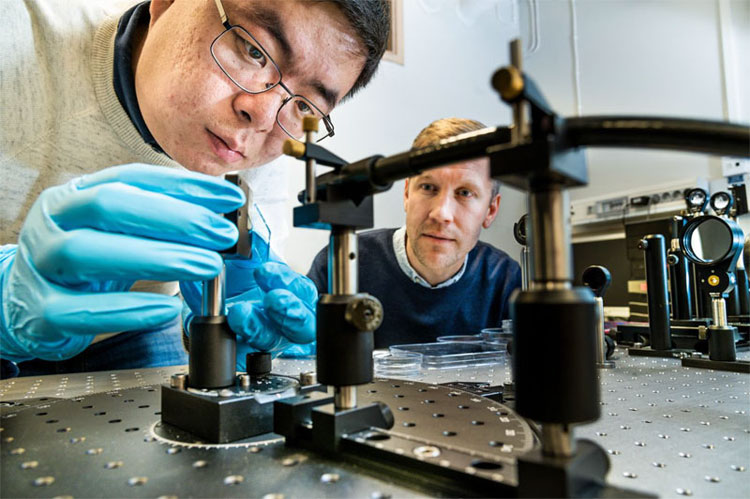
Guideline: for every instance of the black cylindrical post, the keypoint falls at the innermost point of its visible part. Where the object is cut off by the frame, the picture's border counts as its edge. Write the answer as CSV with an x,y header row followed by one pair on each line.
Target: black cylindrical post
x,y
743,291
213,345
558,382
213,348
344,355
705,299
656,286
680,283
721,336
733,301
721,343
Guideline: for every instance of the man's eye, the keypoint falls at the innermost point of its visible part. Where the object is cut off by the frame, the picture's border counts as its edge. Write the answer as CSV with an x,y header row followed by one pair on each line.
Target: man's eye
x,y
303,108
427,187
466,193
254,53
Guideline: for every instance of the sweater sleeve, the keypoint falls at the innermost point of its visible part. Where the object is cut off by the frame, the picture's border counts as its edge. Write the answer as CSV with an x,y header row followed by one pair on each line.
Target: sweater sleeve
x,y
512,282
318,272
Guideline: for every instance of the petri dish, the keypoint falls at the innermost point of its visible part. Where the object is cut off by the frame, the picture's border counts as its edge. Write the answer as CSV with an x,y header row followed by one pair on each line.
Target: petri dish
x,y
499,337
453,354
400,364
466,338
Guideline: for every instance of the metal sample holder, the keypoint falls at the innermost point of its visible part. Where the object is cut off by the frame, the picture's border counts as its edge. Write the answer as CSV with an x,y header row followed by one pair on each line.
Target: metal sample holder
x,y
212,402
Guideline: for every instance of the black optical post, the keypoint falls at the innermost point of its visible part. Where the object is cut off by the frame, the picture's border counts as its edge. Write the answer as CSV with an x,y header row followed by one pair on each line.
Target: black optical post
x,y
555,324
598,279
345,320
212,401
714,245
680,276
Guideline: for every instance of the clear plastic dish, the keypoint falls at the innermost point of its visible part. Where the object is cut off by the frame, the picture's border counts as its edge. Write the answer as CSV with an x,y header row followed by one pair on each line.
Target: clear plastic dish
x,y
466,338
499,337
397,364
453,354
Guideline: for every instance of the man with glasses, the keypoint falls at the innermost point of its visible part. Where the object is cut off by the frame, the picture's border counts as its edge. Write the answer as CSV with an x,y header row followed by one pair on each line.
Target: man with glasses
x,y
196,86
433,275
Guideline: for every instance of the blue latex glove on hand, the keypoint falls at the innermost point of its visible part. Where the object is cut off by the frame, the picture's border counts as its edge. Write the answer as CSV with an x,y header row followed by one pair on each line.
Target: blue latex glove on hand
x,y
270,307
84,244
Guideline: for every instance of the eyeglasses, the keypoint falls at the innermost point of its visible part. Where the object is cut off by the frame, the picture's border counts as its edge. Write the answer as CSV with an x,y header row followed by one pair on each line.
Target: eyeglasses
x,y
244,60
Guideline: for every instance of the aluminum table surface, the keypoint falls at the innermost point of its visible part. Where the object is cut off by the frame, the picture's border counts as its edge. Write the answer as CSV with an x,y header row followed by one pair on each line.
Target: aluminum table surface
x,y
669,430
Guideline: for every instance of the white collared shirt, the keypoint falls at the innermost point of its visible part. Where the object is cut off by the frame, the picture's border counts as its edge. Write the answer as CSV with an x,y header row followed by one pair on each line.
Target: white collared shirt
x,y
399,247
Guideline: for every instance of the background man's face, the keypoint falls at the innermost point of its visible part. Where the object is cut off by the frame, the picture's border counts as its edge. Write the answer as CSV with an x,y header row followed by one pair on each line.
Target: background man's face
x,y
446,209
202,119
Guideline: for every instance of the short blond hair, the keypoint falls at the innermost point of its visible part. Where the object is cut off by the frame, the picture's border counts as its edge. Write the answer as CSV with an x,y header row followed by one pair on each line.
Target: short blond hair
x,y
446,128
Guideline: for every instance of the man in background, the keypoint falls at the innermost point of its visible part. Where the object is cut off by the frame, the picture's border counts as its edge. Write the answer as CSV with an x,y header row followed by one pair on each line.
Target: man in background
x,y
433,275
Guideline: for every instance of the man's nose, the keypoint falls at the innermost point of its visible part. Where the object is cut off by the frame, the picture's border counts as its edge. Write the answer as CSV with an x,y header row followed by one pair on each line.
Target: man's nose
x,y
259,110
442,208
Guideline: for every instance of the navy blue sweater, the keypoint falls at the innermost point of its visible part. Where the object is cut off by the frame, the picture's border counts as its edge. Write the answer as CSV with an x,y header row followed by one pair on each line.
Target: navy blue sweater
x,y
416,314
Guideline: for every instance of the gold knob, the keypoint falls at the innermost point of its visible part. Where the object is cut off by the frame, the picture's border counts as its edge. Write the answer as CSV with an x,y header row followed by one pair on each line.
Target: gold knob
x,y
713,280
294,148
310,124
509,82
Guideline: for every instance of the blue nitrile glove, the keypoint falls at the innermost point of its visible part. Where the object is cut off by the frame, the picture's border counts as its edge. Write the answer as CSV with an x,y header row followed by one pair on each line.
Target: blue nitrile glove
x,y
269,306
84,244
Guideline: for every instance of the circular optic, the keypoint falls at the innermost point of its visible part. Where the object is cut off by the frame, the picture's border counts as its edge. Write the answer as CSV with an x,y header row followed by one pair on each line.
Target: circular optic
x,y
696,200
709,239
721,202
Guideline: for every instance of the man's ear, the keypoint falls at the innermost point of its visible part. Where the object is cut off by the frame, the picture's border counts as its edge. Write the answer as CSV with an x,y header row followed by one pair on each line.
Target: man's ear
x,y
157,8
491,212
406,193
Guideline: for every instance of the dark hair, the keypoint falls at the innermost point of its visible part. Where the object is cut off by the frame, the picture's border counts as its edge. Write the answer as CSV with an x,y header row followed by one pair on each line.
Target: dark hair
x,y
446,128
371,21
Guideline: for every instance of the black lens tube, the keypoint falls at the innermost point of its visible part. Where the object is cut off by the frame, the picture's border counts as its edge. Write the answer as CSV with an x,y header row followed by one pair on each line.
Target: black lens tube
x,y
213,345
680,282
656,284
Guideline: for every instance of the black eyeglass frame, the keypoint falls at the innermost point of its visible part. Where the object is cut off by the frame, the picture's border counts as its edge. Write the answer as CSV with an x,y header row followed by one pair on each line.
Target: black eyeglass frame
x,y
228,27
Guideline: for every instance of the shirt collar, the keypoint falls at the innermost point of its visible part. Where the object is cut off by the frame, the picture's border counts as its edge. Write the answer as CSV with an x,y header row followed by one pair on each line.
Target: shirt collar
x,y
123,78
399,247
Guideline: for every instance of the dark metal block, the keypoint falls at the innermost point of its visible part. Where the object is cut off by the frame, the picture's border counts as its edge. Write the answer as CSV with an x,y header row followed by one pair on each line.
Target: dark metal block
x,y
737,366
322,215
581,475
330,425
291,415
217,419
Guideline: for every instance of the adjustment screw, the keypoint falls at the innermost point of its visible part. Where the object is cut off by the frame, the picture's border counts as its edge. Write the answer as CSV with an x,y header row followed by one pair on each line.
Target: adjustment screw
x,y
365,312
179,381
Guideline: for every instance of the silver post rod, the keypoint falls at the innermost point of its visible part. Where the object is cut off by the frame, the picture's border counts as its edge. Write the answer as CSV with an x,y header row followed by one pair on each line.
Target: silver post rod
x,y
549,239
343,279
310,194
345,397
601,355
557,440
525,268
719,308
519,119
212,301
342,262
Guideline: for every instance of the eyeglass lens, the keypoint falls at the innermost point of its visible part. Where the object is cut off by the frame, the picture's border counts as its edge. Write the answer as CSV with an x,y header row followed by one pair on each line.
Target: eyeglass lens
x,y
243,60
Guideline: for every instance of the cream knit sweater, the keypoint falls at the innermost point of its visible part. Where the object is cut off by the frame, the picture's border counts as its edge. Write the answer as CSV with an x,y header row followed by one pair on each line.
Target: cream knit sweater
x,y
59,115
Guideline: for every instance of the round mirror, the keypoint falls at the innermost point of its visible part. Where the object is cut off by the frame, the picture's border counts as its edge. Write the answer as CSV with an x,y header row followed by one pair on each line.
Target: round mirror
x,y
721,202
710,240
696,200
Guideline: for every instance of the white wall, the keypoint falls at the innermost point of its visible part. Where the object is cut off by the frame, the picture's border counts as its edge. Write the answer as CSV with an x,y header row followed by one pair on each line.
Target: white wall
x,y
648,57
447,70
684,58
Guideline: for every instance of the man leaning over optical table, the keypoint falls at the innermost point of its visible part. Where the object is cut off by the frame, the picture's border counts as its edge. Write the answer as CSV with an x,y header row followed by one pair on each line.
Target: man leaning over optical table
x,y
172,90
